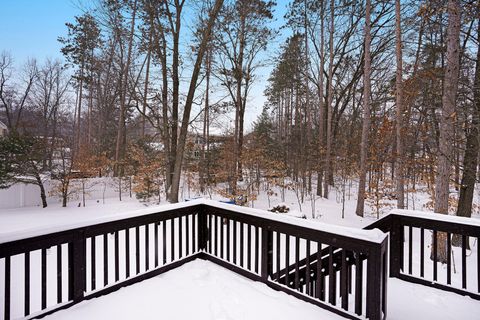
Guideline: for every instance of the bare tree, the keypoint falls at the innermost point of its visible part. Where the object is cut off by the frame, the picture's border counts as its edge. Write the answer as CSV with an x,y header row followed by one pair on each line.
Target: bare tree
x,y
446,129
399,101
14,96
329,102
366,114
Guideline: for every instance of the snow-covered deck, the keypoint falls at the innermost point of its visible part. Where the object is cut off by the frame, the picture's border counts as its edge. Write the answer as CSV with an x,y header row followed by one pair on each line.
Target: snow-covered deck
x,y
202,290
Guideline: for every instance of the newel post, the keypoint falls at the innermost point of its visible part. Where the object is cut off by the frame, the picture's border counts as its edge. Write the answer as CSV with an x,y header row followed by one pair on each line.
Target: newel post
x,y
396,246
267,253
202,228
377,282
77,266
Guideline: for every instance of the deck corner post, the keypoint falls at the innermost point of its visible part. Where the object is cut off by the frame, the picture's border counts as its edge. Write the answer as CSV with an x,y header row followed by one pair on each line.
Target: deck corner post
x,y
267,253
396,247
376,282
77,265
202,228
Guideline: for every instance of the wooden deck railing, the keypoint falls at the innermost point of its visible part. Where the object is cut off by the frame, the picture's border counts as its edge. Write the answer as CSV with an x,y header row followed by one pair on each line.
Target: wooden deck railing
x,y
344,273
412,237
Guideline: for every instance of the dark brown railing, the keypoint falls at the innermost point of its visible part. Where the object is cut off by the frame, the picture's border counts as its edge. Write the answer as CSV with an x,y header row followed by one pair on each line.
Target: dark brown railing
x,y
420,264
344,274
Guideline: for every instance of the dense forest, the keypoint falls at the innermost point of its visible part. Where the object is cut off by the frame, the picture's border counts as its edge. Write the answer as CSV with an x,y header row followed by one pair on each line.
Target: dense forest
x,y
381,94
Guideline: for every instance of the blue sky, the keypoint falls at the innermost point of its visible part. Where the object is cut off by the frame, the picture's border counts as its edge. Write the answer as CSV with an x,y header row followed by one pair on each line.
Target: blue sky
x,y
30,28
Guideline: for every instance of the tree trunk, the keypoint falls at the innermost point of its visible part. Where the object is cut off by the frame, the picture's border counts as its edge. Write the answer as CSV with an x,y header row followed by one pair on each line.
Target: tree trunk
x,y
445,152
470,159
329,104
366,116
121,134
205,122
399,170
321,113
189,101
145,89
43,194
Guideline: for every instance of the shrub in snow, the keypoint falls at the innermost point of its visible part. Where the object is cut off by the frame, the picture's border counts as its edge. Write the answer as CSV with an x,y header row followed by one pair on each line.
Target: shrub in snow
x,y
281,208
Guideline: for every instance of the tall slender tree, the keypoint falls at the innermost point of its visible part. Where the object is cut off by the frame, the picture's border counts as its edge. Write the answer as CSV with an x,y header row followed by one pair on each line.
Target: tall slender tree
x,y
399,170
360,209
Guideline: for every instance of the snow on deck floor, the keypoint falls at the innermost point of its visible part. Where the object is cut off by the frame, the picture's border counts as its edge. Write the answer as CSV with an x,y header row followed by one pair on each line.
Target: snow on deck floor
x,y
202,290
198,290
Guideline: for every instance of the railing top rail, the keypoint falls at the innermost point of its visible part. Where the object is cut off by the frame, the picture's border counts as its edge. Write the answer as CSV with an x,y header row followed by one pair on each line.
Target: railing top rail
x,y
60,227
375,236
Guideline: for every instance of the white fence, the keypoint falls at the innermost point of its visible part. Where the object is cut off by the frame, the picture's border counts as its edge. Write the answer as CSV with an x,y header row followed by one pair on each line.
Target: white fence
x,y
27,195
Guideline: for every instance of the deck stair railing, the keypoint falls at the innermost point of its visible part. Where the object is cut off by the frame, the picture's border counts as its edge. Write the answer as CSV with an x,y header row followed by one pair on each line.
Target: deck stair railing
x,y
341,270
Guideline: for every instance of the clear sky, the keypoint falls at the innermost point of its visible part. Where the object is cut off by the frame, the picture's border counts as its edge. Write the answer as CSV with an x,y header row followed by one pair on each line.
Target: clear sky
x,y
30,28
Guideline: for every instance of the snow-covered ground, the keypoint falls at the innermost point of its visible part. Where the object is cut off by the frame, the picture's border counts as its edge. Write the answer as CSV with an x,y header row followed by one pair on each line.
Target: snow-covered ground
x,y
202,290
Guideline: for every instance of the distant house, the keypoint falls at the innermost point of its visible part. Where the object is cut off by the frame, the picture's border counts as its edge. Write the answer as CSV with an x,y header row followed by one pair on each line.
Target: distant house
x,y
3,129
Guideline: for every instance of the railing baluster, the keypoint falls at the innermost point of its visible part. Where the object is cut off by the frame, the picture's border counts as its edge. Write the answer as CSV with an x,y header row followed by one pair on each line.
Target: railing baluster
x,y
435,255
172,239
228,238
307,269
344,280
137,249
7,288
249,247
222,238
105,259
147,247
358,283
180,238
422,252
117,258
449,258
127,253
92,264
187,233
215,250
257,250
155,235
242,243
287,258
27,284
277,257
318,280
297,258
464,261
194,247
164,242
44,278
332,283
234,241
410,247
